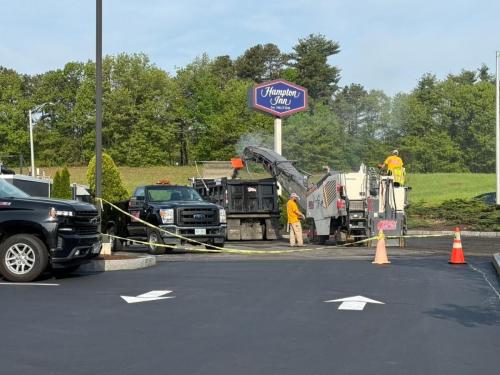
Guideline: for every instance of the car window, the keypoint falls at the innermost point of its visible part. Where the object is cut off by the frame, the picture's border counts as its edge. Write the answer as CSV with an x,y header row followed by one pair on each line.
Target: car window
x,y
160,195
172,194
10,191
139,193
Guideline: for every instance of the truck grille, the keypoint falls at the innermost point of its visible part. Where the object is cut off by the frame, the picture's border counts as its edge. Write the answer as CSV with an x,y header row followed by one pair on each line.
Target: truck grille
x,y
197,216
86,230
85,214
86,222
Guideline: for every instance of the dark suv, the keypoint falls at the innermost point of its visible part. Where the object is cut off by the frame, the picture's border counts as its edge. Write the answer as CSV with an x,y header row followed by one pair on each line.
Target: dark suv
x,y
40,233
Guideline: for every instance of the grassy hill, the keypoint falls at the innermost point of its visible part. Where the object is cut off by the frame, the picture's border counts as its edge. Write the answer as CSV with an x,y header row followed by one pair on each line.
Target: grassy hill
x,y
435,188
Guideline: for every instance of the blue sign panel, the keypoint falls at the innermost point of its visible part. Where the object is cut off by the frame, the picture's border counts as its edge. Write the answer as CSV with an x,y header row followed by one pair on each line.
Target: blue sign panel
x,y
279,98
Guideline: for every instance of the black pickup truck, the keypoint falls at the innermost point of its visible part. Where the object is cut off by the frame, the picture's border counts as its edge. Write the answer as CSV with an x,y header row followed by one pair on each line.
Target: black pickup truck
x,y
37,234
177,209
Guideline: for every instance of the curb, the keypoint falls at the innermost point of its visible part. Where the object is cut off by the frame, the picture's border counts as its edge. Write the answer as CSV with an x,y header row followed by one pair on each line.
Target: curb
x,y
451,233
496,262
102,265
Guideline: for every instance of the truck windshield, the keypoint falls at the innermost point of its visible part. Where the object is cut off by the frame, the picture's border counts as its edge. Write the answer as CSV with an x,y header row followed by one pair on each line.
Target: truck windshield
x,y
172,193
10,191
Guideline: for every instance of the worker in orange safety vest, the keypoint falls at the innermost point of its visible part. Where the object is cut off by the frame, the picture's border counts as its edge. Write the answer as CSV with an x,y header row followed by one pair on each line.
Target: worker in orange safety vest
x,y
294,215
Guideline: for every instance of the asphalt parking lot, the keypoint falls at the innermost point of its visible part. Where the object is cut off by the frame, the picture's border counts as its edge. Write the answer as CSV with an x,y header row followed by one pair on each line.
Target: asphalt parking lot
x,y
248,315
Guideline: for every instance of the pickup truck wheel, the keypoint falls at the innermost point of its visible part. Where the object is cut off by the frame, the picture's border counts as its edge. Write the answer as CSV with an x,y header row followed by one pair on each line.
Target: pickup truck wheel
x,y
23,257
154,237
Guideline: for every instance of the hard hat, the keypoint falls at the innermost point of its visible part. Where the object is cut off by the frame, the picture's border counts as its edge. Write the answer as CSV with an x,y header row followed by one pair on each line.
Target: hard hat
x,y
395,152
294,195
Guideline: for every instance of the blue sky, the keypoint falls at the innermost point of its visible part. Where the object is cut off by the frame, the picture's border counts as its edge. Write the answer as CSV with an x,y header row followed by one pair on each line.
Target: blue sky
x,y
385,44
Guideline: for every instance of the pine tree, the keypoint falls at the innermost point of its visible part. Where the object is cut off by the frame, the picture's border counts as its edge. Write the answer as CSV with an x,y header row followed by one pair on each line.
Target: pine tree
x,y
65,184
56,186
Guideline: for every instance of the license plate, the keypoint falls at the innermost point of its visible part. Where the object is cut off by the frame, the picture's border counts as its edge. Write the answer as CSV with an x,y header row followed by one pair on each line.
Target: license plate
x,y
387,225
200,231
96,248
136,215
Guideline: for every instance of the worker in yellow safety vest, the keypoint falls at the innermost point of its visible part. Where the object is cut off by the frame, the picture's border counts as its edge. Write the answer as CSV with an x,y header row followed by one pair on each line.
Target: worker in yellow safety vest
x,y
394,165
294,215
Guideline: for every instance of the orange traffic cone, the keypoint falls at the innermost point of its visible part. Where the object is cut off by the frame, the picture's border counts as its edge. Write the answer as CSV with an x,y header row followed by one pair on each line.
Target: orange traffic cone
x,y
457,253
381,252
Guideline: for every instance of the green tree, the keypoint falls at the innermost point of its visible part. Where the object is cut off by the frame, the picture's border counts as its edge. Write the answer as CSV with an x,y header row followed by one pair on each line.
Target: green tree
x,y
225,127
61,187
139,107
112,186
364,116
261,63
223,68
310,59
56,186
483,73
14,105
66,184
316,139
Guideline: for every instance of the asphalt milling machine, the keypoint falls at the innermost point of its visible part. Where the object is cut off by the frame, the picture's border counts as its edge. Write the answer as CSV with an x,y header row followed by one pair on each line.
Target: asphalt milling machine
x,y
350,206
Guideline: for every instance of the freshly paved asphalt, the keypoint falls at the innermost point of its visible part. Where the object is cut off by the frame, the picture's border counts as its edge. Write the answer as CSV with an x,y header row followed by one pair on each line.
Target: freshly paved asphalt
x,y
259,317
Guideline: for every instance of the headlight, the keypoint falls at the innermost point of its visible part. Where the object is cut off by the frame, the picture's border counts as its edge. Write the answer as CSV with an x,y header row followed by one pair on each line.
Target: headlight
x,y
53,213
167,216
222,216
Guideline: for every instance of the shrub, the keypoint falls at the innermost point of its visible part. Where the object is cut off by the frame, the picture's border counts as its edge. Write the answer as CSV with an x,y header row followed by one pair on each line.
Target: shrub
x,y
65,184
56,186
112,186
469,214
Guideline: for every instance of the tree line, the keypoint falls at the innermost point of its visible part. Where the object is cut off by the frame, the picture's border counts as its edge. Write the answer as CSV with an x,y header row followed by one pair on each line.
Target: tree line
x,y
151,117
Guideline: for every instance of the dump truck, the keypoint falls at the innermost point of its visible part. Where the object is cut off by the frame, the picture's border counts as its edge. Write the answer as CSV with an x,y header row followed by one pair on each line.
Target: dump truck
x,y
251,206
351,207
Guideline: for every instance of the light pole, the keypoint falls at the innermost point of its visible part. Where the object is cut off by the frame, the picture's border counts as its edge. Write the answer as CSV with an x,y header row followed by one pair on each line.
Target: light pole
x,y
498,127
32,149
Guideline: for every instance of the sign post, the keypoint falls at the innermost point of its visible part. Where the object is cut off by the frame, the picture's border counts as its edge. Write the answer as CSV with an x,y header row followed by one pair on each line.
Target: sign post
x,y
498,127
277,135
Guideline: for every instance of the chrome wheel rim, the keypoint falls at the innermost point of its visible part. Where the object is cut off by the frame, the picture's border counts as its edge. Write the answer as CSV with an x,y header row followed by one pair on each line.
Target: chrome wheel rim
x,y
20,258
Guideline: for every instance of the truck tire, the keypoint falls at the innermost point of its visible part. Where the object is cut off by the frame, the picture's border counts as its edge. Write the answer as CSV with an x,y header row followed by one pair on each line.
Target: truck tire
x,y
23,258
154,237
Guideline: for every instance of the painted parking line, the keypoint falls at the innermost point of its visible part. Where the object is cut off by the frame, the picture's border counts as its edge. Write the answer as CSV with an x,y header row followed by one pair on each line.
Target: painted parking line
x,y
29,284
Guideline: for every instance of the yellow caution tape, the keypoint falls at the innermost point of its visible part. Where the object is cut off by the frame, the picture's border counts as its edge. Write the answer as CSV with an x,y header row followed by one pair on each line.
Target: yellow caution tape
x,y
218,249
214,248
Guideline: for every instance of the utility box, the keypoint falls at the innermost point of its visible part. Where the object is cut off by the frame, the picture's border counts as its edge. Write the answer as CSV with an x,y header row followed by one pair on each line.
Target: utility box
x,y
251,205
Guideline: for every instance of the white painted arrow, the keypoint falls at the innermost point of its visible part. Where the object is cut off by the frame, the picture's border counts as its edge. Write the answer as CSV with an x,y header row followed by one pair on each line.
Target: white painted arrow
x,y
354,303
149,296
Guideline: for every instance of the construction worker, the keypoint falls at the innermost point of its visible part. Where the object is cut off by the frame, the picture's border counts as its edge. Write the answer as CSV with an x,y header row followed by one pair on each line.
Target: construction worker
x,y
294,215
394,165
